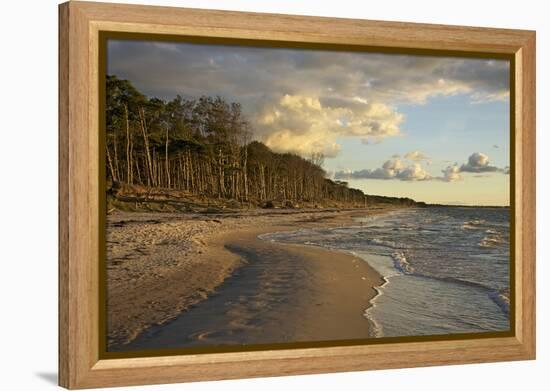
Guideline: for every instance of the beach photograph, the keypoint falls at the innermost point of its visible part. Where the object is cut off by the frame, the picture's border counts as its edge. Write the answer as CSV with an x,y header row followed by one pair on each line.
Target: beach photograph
x,y
270,196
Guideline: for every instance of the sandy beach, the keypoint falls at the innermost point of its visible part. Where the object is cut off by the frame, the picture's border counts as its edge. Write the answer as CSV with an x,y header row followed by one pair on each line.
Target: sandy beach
x,y
166,271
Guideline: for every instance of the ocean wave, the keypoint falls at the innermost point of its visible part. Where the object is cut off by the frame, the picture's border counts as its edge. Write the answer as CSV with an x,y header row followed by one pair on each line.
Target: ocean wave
x,y
492,240
267,236
460,282
376,329
381,242
400,262
285,235
502,299
473,224
477,221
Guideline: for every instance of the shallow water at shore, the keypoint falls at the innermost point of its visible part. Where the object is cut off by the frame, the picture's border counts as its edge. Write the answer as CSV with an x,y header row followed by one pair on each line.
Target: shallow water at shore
x,y
446,270
412,304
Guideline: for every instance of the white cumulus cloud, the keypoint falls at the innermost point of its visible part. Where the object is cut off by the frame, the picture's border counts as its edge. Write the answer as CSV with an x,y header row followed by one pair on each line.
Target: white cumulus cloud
x,y
451,173
391,169
396,168
304,125
478,162
418,156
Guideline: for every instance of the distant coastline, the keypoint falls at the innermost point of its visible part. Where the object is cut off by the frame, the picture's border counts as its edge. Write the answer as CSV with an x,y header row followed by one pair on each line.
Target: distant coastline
x,y
467,206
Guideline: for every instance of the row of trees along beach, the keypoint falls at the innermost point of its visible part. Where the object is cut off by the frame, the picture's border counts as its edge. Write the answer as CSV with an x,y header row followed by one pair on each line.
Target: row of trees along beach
x,y
204,147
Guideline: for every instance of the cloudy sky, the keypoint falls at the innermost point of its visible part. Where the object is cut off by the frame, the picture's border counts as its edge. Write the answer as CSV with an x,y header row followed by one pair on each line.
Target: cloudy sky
x,y
430,128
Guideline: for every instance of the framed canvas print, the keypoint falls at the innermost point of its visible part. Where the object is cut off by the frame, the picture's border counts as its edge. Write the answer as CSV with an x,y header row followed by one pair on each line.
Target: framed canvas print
x,y
254,195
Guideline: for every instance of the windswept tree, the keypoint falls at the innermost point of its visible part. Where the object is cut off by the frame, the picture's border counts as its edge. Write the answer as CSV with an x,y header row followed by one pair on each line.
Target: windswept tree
x,y
123,104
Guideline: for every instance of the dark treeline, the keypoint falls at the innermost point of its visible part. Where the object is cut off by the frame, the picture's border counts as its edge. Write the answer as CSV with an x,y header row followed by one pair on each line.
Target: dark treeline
x,y
203,146
403,201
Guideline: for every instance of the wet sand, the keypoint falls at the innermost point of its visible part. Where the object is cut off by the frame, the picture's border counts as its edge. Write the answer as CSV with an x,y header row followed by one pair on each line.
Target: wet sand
x,y
183,281
281,293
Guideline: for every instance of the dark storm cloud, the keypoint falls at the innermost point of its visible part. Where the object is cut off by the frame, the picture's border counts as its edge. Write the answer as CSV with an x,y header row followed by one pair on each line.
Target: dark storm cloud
x,y
302,100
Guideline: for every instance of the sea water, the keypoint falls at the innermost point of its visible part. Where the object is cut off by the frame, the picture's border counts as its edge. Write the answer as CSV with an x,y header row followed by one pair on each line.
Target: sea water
x,y
446,270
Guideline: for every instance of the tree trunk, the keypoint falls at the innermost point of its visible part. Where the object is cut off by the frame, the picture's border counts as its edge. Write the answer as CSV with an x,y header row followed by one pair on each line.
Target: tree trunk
x,y
128,155
110,161
220,174
245,172
138,170
146,146
166,161
115,157
131,171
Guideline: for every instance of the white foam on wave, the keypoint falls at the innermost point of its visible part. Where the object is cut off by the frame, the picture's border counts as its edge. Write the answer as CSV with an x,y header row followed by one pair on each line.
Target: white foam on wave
x,y
376,329
275,236
401,267
385,266
380,242
473,224
492,240
502,299
400,262
267,237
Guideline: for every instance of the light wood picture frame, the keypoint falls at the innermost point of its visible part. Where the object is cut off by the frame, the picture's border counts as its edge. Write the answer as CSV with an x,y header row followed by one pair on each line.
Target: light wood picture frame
x,y
81,25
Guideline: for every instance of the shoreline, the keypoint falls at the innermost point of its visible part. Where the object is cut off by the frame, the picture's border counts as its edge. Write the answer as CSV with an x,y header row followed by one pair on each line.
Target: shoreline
x,y
342,287
144,281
